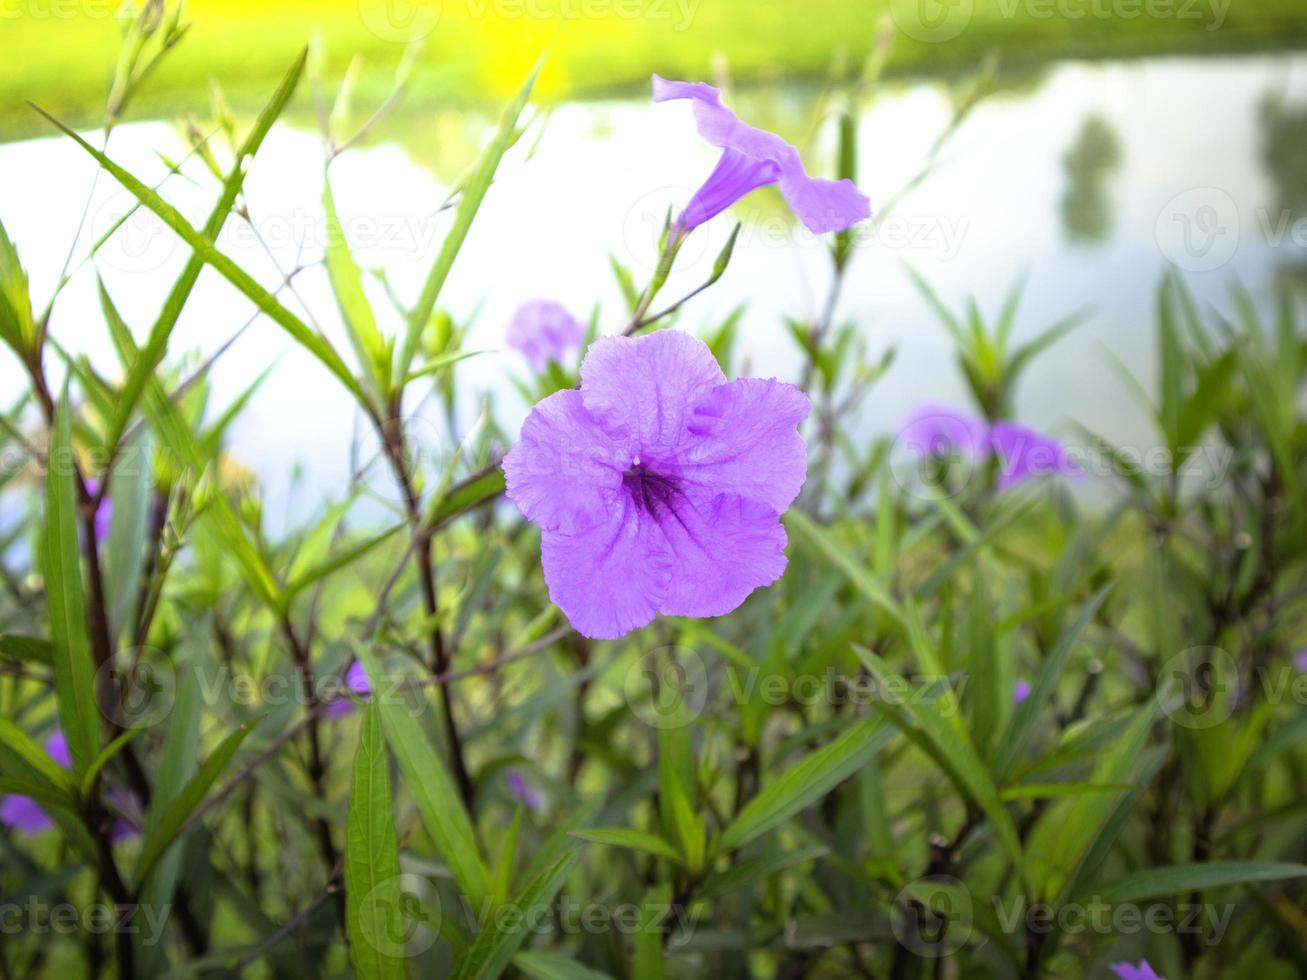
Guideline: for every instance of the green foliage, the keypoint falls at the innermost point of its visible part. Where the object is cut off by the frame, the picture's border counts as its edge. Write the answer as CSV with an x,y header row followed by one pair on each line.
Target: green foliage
x,y
810,786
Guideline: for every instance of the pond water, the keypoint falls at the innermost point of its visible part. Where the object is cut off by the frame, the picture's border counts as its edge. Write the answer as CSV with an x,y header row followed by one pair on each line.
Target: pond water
x,y
1090,183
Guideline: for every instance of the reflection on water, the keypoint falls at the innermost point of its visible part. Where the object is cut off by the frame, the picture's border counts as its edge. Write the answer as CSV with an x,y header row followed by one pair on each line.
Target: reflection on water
x,y
1089,166
1181,162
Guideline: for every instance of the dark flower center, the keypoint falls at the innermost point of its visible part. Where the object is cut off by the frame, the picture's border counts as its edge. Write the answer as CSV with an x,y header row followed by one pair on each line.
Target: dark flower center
x,y
652,492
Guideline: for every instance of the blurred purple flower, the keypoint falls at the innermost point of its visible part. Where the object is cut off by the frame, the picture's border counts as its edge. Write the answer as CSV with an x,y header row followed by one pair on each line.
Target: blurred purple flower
x,y
104,513
122,828
1023,453
1026,453
936,430
524,792
752,158
544,331
1128,972
22,813
658,486
1300,661
356,680
1020,691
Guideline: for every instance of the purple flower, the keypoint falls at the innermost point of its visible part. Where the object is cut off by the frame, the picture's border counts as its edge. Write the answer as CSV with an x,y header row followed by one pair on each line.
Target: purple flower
x,y
524,792
1020,691
1141,972
22,813
752,158
658,486
1026,453
544,331
1300,661
1023,453
356,680
936,430
103,513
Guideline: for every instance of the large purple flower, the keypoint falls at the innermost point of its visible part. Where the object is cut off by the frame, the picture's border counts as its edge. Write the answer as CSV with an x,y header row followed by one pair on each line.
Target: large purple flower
x,y
1128,972
658,485
544,331
752,158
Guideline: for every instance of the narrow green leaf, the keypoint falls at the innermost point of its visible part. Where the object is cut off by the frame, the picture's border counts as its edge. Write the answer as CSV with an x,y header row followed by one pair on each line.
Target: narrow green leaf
x,y
550,966
763,866
347,284
635,840
26,649
1019,730
499,941
820,540
74,670
174,817
1139,886
473,193
372,875
807,781
436,795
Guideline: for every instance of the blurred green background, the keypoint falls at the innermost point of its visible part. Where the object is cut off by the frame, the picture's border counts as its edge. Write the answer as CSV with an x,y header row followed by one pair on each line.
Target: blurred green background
x,y
60,51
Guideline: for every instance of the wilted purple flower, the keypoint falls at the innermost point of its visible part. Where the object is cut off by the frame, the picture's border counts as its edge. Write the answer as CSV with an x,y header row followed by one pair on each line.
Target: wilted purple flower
x,y
356,680
658,486
1025,453
524,792
22,813
1141,972
544,331
752,158
1020,691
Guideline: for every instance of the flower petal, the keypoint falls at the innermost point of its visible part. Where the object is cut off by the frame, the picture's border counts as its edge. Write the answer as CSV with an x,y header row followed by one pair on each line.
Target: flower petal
x,y
724,547
1027,453
565,471
937,430
823,205
544,331
734,176
24,815
743,439
610,579
641,389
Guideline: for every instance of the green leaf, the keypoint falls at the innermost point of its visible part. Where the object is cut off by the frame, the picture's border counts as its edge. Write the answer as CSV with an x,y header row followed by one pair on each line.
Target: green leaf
x,y
820,540
343,558
499,940
432,788
550,966
763,866
636,840
24,761
74,670
947,742
347,284
26,649
141,370
16,325
174,818
471,493
372,875
1180,879
1022,726
106,756
473,193
807,781
311,341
